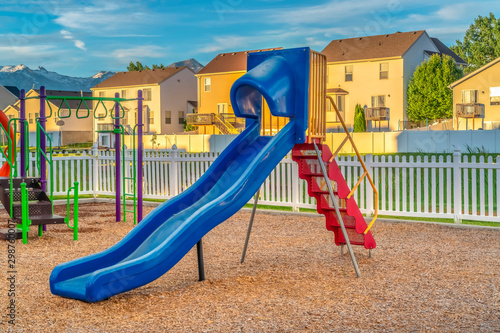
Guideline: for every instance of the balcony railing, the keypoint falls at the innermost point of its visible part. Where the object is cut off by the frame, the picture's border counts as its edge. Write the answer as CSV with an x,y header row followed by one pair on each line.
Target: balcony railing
x,y
198,119
470,110
233,120
105,127
377,113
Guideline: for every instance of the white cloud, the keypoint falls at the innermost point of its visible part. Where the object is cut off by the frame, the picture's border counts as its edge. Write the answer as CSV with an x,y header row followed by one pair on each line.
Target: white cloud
x,y
79,44
139,52
66,34
226,42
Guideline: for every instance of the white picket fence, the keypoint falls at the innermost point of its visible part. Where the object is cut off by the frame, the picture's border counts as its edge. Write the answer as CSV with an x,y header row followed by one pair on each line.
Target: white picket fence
x,y
456,188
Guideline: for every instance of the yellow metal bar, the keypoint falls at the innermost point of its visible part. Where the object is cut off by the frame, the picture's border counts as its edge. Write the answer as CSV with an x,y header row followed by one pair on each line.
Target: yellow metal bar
x,y
357,184
339,148
332,102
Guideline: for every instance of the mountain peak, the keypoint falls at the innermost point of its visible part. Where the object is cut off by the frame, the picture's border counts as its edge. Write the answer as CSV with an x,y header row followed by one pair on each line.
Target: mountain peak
x,y
12,69
23,77
192,64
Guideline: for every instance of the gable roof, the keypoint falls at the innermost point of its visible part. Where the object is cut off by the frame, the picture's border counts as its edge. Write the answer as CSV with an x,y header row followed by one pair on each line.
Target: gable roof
x,y
230,62
370,47
137,78
14,90
477,71
443,49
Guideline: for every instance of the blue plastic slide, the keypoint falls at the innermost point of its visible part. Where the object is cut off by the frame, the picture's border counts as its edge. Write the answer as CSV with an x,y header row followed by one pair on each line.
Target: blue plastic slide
x,y
171,230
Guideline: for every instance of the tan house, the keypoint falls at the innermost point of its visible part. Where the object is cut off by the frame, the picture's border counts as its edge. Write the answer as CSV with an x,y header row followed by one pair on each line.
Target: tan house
x,y
63,126
374,72
215,113
476,98
169,95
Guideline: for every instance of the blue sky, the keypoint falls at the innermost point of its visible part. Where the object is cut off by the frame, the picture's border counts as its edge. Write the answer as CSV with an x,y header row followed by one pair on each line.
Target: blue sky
x,y
81,38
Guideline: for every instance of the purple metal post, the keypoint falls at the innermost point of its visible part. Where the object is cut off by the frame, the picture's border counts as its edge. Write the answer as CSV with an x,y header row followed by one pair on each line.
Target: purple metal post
x,y
139,156
22,121
117,160
43,166
43,120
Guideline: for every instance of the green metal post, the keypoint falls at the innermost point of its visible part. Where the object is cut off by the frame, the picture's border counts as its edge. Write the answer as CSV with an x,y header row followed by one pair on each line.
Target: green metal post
x,y
75,213
24,213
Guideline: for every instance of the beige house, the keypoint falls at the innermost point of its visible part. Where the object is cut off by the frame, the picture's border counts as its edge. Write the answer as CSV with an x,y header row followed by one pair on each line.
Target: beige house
x,y
476,98
374,72
63,126
169,95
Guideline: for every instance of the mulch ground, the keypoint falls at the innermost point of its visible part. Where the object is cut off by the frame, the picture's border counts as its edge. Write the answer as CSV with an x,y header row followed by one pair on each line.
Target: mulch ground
x,y
421,278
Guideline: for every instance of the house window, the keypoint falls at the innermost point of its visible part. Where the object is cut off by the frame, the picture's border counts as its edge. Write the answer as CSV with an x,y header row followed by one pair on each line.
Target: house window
x,y
208,84
378,101
469,96
339,102
102,94
181,117
384,71
100,116
222,108
151,116
494,95
146,94
348,73
124,94
168,117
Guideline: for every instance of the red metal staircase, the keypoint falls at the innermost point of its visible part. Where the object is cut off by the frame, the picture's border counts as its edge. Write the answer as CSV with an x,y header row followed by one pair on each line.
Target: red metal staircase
x,y
310,170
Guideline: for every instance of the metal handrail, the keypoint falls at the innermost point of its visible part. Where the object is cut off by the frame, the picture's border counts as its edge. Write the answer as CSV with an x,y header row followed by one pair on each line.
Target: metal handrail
x,y
365,174
40,129
9,160
225,124
75,210
14,148
337,211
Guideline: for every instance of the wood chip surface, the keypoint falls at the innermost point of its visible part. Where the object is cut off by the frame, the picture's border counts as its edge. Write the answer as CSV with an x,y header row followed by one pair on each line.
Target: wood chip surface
x,y
421,278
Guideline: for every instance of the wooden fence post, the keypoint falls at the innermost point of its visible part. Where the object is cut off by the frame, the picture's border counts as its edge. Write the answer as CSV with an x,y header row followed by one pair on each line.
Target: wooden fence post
x,y
457,187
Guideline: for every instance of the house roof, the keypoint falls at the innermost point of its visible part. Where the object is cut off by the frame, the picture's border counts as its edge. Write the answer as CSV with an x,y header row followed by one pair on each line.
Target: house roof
x,y
446,50
371,47
476,72
14,90
137,78
193,103
337,91
230,62
72,104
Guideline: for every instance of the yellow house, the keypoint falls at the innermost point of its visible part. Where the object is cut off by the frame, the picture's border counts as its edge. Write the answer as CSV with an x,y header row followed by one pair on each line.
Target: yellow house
x,y
215,113
62,131
374,72
169,95
476,98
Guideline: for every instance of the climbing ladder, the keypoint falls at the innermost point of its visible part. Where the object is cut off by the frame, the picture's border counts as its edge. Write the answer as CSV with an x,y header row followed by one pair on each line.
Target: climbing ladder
x,y
310,170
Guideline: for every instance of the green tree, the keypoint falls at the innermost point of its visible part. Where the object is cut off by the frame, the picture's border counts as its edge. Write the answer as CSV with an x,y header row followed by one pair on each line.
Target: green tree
x,y
428,94
481,43
359,119
138,66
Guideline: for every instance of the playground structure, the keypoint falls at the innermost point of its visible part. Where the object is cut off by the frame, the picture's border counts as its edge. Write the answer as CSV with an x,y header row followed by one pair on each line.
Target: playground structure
x,y
293,83
25,197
